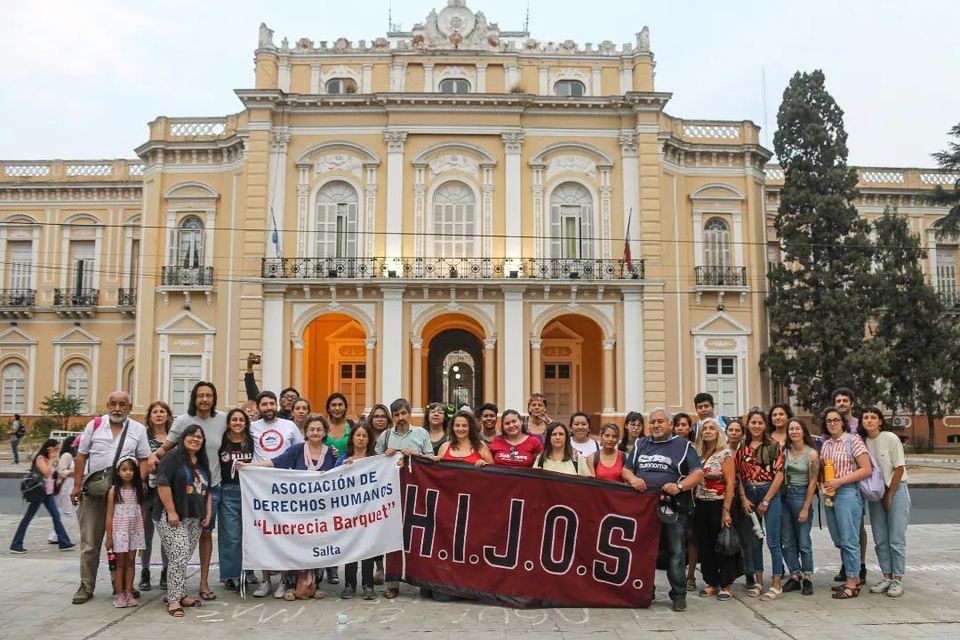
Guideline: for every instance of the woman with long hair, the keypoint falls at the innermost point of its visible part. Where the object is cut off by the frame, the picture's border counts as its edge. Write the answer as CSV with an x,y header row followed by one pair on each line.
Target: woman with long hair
x,y
713,514
634,428
299,412
850,459
557,455
514,447
683,428
760,474
44,462
580,438
361,445
378,420
888,517
436,425
183,487
338,432
159,421
236,446
63,485
801,470
777,420
464,443
607,464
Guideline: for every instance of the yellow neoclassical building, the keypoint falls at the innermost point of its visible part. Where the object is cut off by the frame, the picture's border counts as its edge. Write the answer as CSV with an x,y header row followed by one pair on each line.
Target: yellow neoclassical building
x,y
456,213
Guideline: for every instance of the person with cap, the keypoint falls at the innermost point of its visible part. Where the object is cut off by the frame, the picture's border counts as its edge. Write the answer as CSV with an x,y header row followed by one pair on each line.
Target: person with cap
x,y
669,463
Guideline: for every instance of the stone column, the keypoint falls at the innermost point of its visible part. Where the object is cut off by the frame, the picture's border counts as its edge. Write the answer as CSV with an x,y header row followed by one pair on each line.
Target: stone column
x,y
273,343
370,386
303,190
419,209
539,223
370,217
487,225
536,365
416,377
514,247
631,192
632,362
481,78
427,77
595,83
609,390
297,363
489,370
393,345
606,235
514,350
277,180
395,143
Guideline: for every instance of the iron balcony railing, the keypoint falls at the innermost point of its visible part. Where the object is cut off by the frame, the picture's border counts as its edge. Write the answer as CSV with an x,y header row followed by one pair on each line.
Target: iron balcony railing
x,y
950,298
127,298
76,297
18,298
451,268
186,277
721,276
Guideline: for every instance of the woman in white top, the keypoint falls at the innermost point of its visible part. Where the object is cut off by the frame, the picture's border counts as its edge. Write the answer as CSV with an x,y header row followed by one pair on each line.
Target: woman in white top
x,y
557,454
580,439
64,485
889,516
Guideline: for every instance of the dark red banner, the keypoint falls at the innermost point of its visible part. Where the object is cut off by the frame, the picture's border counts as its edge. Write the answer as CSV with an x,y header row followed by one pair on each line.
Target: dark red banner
x,y
526,538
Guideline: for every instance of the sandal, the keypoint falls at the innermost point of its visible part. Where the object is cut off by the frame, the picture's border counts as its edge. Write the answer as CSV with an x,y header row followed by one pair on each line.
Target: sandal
x,y
391,593
208,595
755,590
289,595
176,612
319,595
773,593
708,591
724,595
846,593
691,585
192,603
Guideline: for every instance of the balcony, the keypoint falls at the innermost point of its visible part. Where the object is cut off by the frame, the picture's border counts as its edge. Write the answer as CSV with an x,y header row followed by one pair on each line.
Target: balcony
x,y
127,300
17,303
450,269
186,280
76,303
950,299
721,279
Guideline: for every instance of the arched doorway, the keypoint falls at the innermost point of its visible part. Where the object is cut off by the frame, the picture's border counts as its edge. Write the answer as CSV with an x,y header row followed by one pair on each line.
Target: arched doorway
x,y
455,368
334,359
571,367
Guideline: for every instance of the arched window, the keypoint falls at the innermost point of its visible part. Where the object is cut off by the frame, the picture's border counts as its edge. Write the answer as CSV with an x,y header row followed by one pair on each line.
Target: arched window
x,y
77,385
454,85
455,226
571,222
190,243
14,384
341,85
569,88
716,244
336,221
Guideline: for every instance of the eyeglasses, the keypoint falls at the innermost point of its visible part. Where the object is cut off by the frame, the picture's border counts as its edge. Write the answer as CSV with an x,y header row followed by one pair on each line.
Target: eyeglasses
x,y
204,396
198,436
289,396
834,421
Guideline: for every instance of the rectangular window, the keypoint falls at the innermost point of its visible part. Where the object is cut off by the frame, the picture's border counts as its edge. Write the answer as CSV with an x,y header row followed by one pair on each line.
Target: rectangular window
x,y
721,383
134,263
82,254
559,388
14,389
947,274
20,257
353,385
185,371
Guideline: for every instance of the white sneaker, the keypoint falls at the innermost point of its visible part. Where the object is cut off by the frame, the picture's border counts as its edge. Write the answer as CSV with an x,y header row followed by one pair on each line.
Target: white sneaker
x,y
281,591
882,586
896,589
263,590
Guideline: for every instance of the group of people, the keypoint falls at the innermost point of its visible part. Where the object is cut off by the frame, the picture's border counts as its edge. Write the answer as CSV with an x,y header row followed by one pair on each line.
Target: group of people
x,y
745,480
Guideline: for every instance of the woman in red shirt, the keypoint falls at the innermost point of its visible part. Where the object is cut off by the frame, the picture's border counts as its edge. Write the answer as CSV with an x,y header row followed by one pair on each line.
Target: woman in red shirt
x,y
464,443
514,447
607,464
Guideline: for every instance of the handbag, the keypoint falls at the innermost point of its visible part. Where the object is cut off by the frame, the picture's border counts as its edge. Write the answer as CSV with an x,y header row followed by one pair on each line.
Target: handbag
x,y
33,486
98,483
728,542
306,585
872,487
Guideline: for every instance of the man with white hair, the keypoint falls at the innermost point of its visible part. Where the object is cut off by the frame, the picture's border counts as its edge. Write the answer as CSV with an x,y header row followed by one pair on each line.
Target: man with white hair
x,y
669,463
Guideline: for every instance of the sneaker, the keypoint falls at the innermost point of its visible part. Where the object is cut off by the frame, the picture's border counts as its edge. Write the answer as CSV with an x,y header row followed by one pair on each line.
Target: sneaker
x,y
68,546
348,592
81,596
131,599
881,587
263,590
896,589
120,602
806,587
231,584
680,604
333,575
791,585
19,551
281,591
840,577
251,578
145,580
369,593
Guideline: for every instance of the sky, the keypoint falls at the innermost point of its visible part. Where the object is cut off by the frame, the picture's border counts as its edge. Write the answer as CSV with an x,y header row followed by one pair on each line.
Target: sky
x,y
81,80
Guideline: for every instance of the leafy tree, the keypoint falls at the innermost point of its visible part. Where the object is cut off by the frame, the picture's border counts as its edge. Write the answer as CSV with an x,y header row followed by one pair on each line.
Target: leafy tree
x,y
917,336
949,160
62,407
818,294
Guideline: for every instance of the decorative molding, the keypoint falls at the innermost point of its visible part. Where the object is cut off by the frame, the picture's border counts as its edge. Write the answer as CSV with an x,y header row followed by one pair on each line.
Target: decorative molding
x,y
455,162
395,141
571,163
455,71
570,73
338,162
512,141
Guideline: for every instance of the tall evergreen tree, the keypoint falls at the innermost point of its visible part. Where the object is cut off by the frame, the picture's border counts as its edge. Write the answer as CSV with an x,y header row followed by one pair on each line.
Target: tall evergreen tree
x,y
818,294
919,339
949,160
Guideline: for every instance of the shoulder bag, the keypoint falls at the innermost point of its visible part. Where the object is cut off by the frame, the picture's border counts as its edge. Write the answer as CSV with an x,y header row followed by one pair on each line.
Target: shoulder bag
x,y
98,483
33,486
871,488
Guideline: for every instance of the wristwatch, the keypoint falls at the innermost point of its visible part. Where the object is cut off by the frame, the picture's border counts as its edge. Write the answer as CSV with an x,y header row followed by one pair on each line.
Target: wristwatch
x,y
680,486
765,503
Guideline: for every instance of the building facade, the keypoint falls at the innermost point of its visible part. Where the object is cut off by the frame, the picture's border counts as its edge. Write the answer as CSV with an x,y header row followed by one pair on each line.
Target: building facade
x,y
456,213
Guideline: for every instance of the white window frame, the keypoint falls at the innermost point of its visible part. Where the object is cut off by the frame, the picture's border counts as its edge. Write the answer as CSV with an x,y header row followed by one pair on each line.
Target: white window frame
x,y
76,385
717,243
191,239
572,207
181,382
88,276
14,392
341,86
946,265
562,88
21,272
456,84
336,221
714,382
454,224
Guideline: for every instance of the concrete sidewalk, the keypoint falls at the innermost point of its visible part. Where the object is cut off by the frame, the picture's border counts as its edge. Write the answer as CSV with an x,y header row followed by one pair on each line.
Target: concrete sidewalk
x,y
37,589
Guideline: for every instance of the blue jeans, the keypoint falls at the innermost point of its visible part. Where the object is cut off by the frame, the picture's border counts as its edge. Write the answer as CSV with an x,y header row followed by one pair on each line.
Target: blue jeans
x,y
50,502
795,535
890,531
230,538
675,536
15,446
843,521
771,524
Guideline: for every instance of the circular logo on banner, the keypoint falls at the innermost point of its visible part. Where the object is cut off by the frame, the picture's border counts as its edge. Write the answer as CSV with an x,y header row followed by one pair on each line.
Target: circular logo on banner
x,y
271,440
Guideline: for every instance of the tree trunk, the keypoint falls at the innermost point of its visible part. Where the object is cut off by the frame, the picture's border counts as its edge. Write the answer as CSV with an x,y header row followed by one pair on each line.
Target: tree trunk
x,y
931,431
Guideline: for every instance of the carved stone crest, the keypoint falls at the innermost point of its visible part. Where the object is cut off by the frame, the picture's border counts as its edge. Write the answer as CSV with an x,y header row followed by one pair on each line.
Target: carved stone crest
x,y
455,162
571,163
338,162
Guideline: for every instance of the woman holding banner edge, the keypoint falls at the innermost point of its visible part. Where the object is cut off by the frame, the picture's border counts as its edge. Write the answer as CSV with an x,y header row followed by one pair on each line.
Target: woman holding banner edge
x,y
360,445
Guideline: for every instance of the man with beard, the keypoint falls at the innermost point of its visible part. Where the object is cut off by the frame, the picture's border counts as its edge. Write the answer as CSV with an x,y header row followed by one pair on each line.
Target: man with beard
x,y
100,447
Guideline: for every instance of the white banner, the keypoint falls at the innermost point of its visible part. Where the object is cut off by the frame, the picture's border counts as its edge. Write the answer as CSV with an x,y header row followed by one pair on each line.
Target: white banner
x,y
307,519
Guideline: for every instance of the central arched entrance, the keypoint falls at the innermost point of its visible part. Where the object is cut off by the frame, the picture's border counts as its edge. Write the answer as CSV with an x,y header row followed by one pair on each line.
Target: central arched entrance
x,y
455,368
335,359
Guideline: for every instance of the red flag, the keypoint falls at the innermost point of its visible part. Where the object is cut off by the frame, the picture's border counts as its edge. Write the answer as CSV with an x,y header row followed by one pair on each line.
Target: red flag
x,y
627,254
